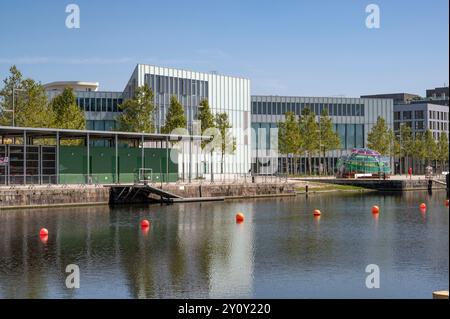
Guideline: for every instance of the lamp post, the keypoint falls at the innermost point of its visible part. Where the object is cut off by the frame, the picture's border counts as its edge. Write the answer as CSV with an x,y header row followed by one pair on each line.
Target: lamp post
x,y
14,105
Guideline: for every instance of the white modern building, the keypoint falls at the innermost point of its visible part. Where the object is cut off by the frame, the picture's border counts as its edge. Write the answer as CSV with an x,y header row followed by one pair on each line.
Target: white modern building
x,y
227,94
224,93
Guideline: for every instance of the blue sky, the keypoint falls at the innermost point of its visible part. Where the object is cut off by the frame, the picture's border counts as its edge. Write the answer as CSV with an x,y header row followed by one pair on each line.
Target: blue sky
x,y
312,48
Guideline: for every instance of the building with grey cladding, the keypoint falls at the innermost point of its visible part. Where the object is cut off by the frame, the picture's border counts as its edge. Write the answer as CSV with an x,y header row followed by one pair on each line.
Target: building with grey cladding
x,y
353,118
421,117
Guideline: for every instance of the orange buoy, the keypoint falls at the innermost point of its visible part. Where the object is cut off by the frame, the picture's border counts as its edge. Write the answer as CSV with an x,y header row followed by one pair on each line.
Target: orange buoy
x,y
44,238
423,206
43,232
446,202
375,209
145,223
239,217
316,212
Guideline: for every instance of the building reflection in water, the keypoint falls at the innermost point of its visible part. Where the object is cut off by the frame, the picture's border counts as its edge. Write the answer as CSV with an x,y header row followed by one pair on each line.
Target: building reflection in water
x,y
198,251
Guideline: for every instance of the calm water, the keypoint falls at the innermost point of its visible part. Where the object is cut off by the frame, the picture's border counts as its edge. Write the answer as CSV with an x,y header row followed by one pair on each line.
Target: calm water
x,y
198,251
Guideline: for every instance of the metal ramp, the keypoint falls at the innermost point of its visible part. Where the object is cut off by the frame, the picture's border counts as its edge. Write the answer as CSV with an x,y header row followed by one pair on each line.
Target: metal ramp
x,y
139,193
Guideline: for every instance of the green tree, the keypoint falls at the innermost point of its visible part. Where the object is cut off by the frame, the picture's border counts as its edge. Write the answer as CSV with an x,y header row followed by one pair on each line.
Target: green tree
x,y
14,80
329,139
429,147
138,112
175,116
227,141
379,137
309,131
442,150
418,149
31,107
206,118
66,111
289,141
406,142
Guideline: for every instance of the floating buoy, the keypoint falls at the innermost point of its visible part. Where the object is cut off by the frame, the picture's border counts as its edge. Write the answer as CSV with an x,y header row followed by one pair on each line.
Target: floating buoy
x,y
239,217
145,223
423,206
375,209
446,202
316,212
43,232
44,238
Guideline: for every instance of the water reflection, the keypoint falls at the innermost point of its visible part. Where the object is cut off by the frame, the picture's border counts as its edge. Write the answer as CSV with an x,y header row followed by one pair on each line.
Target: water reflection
x,y
199,251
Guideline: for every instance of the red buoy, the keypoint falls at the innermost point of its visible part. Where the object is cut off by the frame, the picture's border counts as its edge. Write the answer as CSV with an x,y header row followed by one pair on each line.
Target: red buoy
x,y
239,217
43,232
446,202
145,223
423,206
316,212
375,209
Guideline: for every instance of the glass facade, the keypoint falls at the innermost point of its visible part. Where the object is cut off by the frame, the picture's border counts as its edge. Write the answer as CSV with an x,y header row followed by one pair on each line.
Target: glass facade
x,y
281,108
189,93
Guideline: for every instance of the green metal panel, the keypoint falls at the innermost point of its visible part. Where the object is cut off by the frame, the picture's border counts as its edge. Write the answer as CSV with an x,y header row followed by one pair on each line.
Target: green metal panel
x,y
73,164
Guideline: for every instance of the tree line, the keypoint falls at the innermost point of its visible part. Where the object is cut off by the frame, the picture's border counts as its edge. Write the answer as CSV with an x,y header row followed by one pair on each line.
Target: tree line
x,y
308,135
420,147
24,102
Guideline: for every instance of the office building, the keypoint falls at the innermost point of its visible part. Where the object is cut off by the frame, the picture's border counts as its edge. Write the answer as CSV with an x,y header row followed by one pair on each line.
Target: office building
x,y
353,118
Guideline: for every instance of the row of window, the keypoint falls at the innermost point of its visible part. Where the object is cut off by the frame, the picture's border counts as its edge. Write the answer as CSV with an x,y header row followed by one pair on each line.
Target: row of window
x,y
407,115
440,126
99,104
351,135
176,86
281,108
436,115
420,115
101,125
420,125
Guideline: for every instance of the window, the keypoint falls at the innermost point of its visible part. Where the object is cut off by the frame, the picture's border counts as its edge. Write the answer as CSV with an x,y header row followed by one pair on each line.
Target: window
x,y
350,135
269,108
359,135
93,107
396,126
81,103
340,128
419,115
340,109
110,105
397,116
407,115
353,110
362,106
254,108
419,125
114,105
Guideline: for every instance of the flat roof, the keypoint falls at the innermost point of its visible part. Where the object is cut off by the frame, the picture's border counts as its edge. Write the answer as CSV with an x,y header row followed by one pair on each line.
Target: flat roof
x,y
15,131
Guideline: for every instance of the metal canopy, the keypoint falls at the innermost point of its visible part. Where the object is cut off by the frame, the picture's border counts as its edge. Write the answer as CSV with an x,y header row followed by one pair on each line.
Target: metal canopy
x,y
10,131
